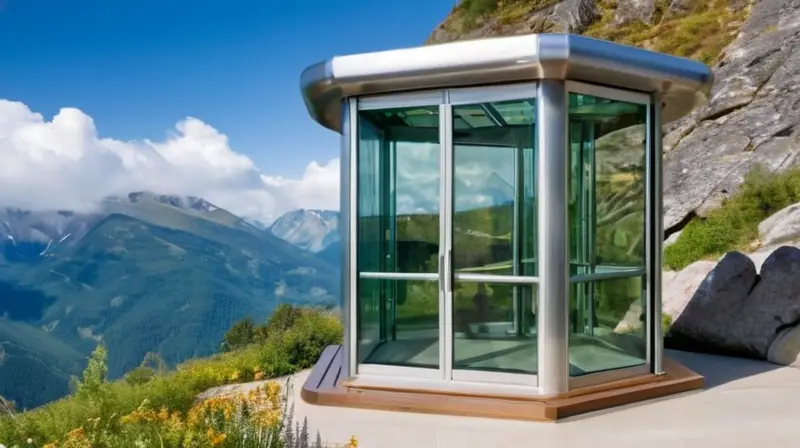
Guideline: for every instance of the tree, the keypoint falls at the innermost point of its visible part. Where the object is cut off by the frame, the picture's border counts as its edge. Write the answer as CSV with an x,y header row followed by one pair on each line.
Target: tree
x,y
95,374
241,334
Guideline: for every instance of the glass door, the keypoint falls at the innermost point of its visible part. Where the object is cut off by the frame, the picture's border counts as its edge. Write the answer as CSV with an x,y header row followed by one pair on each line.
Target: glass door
x,y
399,185
446,235
608,145
491,226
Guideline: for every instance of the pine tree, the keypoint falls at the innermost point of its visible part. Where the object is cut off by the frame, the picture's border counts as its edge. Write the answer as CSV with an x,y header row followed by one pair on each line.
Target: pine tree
x,y
303,437
318,443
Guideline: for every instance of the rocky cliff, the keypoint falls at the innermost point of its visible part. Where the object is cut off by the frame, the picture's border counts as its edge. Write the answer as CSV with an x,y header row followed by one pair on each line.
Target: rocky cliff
x,y
753,115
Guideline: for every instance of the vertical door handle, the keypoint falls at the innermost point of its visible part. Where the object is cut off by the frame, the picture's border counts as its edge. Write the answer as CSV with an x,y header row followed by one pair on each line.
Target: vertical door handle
x,y
449,271
441,273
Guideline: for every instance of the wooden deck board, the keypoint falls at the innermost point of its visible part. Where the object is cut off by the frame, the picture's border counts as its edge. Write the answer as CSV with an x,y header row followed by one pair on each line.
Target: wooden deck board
x,y
325,387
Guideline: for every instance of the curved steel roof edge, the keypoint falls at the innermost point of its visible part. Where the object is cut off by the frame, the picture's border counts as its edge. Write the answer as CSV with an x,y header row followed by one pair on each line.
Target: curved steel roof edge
x,y
683,83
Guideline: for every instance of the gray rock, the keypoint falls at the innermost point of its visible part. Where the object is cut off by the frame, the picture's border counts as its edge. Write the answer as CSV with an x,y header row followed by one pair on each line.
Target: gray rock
x,y
679,288
565,16
714,309
781,227
573,16
672,239
752,118
676,291
679,7
772,306
785,350
632,10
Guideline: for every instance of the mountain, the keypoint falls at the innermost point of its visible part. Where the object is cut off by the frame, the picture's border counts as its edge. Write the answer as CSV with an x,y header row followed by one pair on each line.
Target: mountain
x,y
753,115
141,273
311,230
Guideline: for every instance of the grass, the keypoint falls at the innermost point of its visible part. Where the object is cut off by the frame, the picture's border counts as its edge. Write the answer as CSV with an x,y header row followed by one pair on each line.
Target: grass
x,y
734,226
700,32
95,414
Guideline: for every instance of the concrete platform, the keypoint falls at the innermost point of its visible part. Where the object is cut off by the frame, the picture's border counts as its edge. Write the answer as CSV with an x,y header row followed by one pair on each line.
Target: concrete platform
x,y
745,403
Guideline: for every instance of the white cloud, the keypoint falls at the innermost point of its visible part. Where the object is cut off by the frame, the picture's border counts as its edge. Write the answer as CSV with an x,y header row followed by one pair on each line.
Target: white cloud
x,y
63,164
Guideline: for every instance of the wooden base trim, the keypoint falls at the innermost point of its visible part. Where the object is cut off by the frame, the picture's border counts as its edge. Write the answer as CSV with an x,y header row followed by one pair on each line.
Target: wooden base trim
x,y
324,387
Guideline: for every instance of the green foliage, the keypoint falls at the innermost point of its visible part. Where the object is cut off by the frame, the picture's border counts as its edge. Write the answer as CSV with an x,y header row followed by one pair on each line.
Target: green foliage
x,y
95,374
102,403
151,366
241,334
734,226
666,322
701,32
472,9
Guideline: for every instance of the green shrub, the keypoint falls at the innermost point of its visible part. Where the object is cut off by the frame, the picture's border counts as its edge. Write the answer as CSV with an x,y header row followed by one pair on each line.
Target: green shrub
x,y
666,322
286,350
241,334
734,226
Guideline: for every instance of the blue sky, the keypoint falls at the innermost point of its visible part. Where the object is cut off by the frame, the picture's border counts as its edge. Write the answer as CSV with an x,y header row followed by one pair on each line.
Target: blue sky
x,y
138,67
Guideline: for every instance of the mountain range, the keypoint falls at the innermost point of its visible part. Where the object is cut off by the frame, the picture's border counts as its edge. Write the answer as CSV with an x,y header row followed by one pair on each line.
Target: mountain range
x,y
141,273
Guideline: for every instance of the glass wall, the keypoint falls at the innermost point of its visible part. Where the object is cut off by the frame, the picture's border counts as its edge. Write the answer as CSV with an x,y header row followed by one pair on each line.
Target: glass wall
x,y
608,142
447,237
398,236
494,236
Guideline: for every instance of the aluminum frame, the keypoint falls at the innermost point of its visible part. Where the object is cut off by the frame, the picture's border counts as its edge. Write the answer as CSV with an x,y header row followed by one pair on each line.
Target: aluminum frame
x,y
652,266
683,83
445,99
552,102
553,171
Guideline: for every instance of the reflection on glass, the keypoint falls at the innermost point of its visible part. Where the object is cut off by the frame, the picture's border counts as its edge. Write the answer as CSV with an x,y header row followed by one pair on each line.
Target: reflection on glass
x,y
398,190
494,168
398,323
484,334
494,233
398,232
607,231
615,337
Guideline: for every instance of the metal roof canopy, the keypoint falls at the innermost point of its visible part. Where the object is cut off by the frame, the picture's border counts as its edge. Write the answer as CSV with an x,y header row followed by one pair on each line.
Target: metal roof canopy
x,y
682,83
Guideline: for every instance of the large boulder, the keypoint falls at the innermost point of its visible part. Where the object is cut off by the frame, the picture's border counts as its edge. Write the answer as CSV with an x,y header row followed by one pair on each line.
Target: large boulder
x,y
708,320
772,307
738,312
785,350
781,227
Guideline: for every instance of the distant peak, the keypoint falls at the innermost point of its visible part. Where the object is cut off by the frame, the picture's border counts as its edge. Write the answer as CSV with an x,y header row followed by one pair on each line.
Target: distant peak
x,y
181,202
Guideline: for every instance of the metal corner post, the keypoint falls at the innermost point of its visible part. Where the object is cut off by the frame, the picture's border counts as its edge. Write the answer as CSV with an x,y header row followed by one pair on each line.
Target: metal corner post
x,y
346,160
657,226
553,315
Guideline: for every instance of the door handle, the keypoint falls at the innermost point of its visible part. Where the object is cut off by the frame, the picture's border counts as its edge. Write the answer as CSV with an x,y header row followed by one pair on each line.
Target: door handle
x,y
441,273
448,273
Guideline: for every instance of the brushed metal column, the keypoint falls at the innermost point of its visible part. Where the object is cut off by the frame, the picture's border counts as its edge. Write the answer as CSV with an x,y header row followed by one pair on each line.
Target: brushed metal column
x,y
347,210
553,168
657,227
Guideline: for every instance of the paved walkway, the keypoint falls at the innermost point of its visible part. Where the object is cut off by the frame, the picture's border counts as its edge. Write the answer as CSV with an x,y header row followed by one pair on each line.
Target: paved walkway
x,y
745,404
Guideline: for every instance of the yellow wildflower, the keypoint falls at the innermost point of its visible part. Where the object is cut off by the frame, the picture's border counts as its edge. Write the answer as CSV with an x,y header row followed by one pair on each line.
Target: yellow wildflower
x,y
216,438
353,443
163,414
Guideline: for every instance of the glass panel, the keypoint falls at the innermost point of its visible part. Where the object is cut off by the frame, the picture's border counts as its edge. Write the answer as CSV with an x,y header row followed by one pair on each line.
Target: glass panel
x,y
410,335
494,232
615,337
494,184
607,218
484,336
398,230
